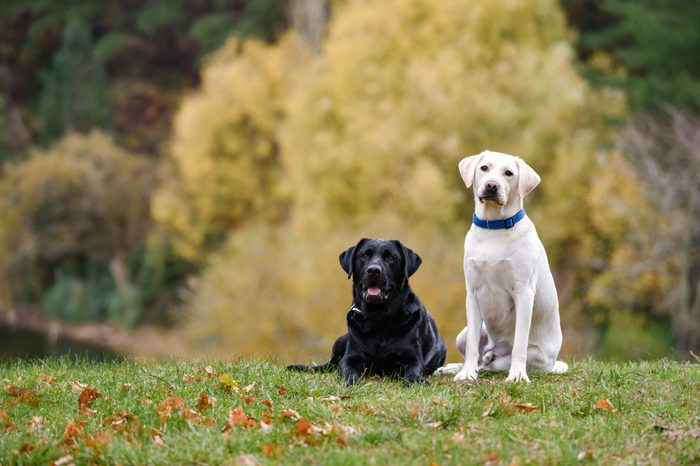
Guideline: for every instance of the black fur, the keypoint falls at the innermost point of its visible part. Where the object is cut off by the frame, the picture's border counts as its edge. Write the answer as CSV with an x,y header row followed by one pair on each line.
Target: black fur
x,y
390,333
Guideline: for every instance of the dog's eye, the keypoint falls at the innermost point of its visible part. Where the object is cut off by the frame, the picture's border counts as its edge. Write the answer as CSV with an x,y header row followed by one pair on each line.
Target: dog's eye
x,y
484,168
364,256
391,258
509,173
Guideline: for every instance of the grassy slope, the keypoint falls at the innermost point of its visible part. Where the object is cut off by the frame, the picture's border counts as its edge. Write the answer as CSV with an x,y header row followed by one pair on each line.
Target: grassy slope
x,y
656,416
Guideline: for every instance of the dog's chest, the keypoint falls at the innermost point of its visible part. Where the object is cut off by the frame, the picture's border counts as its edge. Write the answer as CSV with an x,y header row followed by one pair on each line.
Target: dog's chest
x,y
492,282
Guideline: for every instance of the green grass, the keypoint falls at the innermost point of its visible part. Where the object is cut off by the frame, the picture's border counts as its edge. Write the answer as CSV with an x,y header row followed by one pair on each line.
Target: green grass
x,y
653,416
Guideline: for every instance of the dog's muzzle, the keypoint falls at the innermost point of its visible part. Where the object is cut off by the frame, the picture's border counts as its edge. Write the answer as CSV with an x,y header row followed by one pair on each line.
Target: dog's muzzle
x,y
490,192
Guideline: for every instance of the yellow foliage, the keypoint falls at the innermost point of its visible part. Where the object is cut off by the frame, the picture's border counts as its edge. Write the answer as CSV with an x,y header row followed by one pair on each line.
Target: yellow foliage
x,y
225,154
83,197
369,145
620,246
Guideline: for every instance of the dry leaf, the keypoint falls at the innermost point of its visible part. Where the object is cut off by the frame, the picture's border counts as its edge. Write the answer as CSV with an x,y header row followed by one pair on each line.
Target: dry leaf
x,y
64,461
458,437
26,448
77,385
584,454
282,390
125,387
491,459
47,378
249,387
604,405
36,421
290,413
208,370
267,403
272,451
88,396
247,460
26,395
168,405
72,430
205,402
434,425
191,378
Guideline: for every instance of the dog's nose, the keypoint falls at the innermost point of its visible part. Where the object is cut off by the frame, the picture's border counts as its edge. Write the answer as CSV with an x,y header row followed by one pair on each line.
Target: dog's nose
x,y
491,186
373,270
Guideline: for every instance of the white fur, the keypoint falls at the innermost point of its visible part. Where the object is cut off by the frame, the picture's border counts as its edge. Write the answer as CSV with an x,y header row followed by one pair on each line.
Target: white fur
x,y
512,305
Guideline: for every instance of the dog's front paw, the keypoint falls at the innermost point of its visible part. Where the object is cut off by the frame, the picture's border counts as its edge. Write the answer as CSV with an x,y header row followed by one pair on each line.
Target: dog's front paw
x,y
467,373
517,374
449,369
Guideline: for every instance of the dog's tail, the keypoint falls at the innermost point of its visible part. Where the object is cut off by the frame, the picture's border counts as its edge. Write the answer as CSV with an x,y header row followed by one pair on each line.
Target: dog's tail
x,y
326,367
336,355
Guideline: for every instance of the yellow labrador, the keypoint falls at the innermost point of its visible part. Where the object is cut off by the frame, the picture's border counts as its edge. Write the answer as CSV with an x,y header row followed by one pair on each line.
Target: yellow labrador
x,y
512,305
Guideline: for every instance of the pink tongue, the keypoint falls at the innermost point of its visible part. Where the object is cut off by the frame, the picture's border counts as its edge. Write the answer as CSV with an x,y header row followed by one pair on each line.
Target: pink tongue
x,y
374,291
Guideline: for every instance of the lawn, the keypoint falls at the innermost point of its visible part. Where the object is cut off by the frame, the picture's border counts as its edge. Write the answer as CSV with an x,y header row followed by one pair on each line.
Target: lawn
x,y
241,412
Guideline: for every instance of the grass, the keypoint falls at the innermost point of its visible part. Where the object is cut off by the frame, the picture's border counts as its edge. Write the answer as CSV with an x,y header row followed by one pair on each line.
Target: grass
x,y
154,413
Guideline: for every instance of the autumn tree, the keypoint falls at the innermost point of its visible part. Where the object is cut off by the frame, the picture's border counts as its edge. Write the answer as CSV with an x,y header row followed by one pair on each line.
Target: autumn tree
x,y
225,153
83,201
370,141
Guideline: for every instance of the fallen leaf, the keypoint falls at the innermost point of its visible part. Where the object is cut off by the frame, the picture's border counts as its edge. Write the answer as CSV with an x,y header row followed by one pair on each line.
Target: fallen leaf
x,y
64,461
47,378
77,385
238,417
604,405
125,387
250,399
228,383
3,414
26,395
191,378
247,460
584,454
26,448
290,414
208,370
265,426
272,450
458,437
249,387
524,407
72,430
491,459
575,393
36,421
434,425
156,436
267,403
167,406
303,427
282,390
331,398
205,402
413,410
88,396
98,441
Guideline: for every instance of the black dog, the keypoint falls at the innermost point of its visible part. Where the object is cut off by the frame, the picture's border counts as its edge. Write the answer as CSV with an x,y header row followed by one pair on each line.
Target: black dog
x,y
389,331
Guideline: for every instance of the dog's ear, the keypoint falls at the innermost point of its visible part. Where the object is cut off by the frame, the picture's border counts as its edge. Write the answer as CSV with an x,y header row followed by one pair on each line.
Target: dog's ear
x,y
528,178
347,257
467,168
411,260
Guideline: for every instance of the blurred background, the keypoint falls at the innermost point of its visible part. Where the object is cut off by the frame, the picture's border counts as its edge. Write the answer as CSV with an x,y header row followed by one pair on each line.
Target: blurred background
x,y
178,177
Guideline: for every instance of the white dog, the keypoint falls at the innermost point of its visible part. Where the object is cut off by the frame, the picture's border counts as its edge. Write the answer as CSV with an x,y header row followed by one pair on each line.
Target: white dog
x,y
512,305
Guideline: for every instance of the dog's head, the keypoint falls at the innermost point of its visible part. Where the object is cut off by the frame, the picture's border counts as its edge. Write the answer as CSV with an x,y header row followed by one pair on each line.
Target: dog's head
x,y
379,268
498,178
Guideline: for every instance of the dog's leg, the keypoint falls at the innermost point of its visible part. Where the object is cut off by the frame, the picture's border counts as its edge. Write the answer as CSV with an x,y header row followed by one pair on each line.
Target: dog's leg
x,y
524,300
471,353
349,370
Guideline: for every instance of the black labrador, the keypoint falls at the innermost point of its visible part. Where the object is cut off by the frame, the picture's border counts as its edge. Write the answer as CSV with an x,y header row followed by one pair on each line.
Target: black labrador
x,y
390,333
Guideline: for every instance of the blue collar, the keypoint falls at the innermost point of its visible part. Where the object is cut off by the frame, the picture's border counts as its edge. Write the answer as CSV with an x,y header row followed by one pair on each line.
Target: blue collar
x,y
499,224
